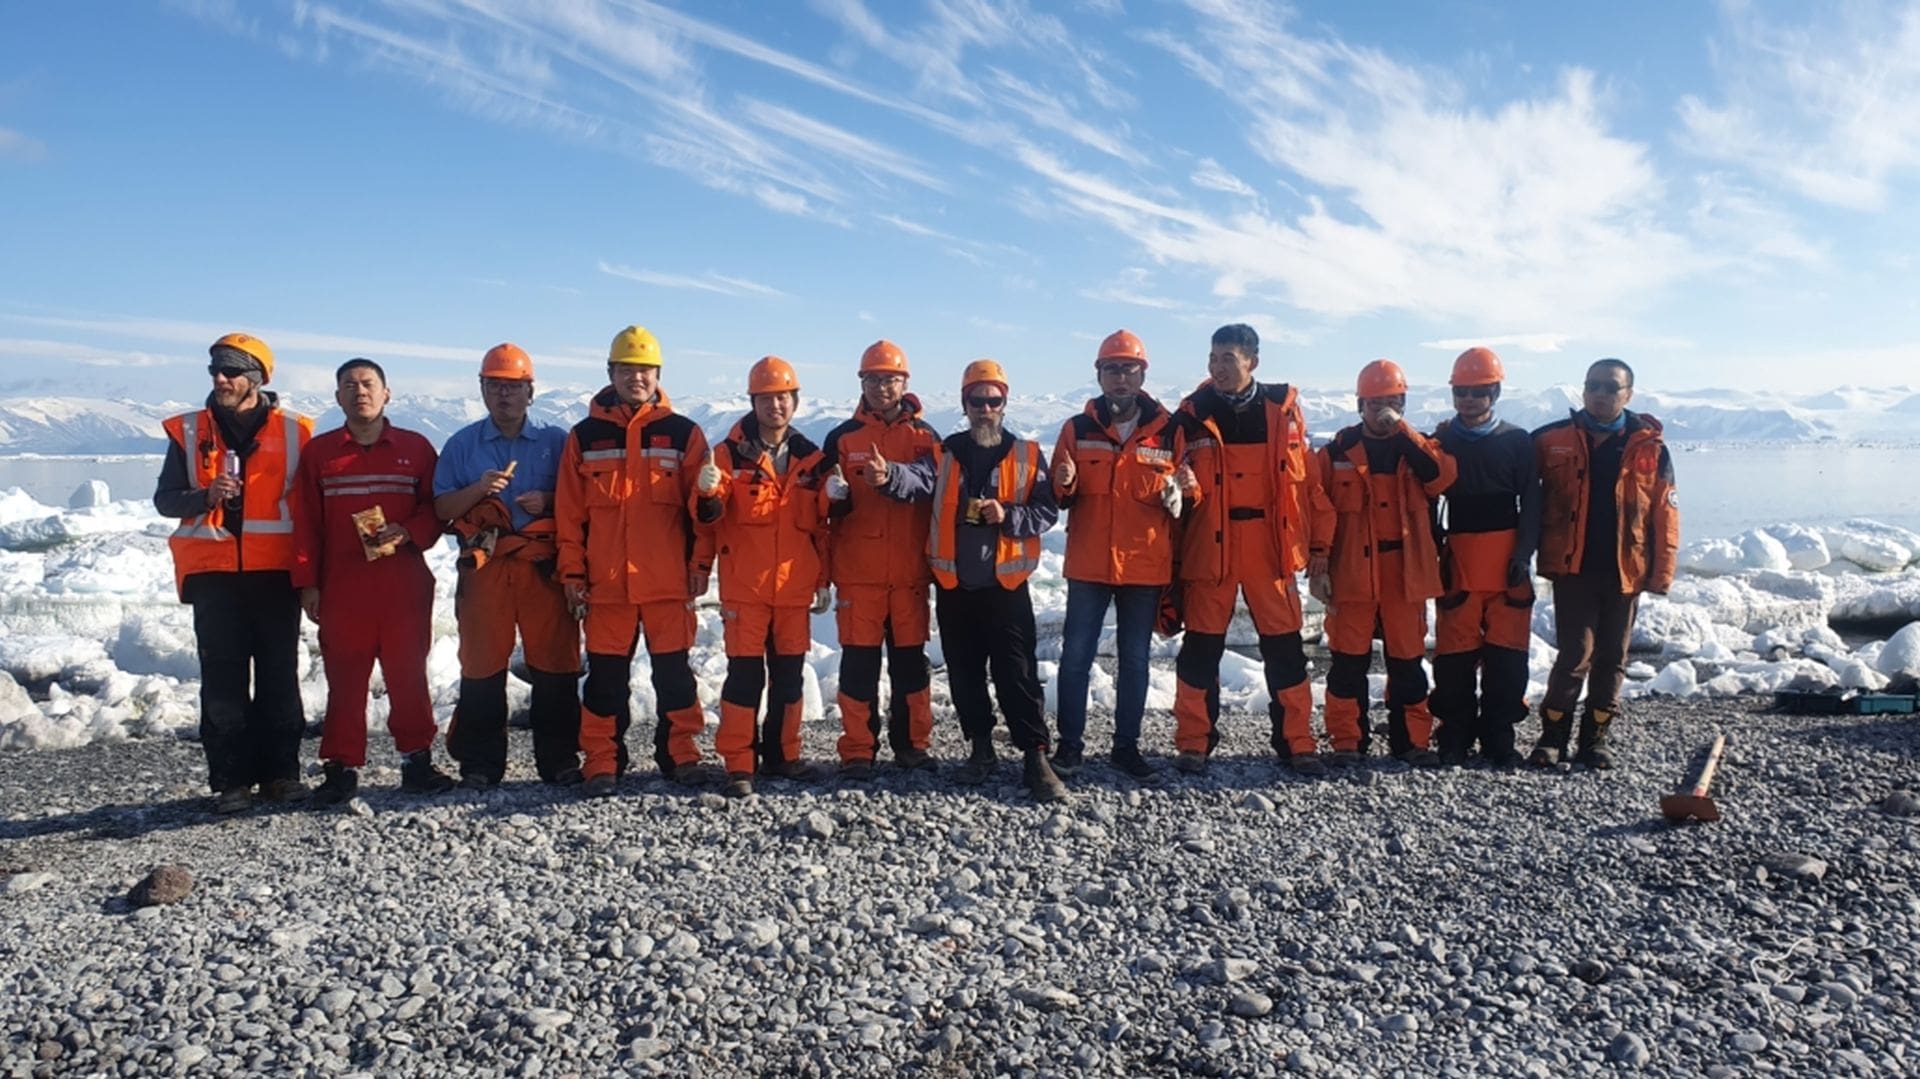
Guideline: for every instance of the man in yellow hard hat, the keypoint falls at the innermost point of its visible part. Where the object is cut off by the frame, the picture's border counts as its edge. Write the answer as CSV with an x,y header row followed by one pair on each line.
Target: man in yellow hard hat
x,y
495,484
226,479
625,532
992,501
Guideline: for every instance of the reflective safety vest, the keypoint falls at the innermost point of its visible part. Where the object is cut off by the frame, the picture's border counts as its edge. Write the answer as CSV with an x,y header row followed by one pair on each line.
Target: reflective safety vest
x,y
264,539
1013,559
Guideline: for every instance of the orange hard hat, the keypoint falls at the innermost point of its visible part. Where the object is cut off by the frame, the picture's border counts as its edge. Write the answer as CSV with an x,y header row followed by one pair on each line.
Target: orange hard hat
x,y
982,371
1122,345
883,356
772,375
252,346
1382,378
1477,367
507,361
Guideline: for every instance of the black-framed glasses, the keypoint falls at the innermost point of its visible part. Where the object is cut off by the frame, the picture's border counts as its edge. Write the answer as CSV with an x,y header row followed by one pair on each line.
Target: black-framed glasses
x,y
218,371
877,379
501,385
1122,370
994,403
1594,386
1473,391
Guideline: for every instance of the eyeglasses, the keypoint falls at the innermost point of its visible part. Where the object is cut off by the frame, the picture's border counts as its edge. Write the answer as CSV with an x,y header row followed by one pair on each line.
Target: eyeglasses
x,y
882,380
228,372
1473,391
501,385
993,403
1122,370
1608,388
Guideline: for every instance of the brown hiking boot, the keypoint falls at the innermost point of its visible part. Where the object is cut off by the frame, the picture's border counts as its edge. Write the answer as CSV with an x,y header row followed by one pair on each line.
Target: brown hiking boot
x,y
1044,785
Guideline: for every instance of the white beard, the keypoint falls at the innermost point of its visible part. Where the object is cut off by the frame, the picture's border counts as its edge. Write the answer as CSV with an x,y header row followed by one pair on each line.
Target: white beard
x,y
986,433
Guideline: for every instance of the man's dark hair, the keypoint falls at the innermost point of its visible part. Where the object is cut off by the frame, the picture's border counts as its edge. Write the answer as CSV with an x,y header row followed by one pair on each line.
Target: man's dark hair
x,y
1238,335
1617,365
359,361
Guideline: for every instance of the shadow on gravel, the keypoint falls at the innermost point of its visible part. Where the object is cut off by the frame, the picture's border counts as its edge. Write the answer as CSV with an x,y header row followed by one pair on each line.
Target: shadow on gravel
x,y
129,821
1899,735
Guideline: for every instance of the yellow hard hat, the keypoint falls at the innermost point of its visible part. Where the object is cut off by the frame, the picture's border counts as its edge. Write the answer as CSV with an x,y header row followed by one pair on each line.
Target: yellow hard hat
x,y
635,345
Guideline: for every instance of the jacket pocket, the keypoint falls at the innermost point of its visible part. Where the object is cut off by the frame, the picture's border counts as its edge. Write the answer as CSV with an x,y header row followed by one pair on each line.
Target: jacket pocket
x,y
1349,493
605,484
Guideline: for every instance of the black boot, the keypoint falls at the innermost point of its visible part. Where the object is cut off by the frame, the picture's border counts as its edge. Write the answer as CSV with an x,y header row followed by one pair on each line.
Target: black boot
x,y
419,776
1041,782
980,764
1593,740
1555,729
340,784
1496,743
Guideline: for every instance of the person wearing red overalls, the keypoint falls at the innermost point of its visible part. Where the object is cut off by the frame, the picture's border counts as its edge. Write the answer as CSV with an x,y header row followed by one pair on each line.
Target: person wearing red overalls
x,y
367,585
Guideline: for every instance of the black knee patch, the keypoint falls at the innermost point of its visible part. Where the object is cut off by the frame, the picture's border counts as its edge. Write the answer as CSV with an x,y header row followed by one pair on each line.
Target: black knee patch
x,y
860,672
1406,681
673,687
746,677
907,667
1453,686
787,675
607,686
1199,661
1347,677
1284,658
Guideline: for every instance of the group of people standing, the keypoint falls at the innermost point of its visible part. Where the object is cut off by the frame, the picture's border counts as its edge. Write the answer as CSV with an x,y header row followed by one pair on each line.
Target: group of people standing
x,y
1174,515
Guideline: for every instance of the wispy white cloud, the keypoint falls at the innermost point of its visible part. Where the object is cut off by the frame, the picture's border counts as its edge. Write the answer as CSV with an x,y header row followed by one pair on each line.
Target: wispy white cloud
x,y
710,281
201,334
71,352
860,152
1131,289
19,146
1828,107
1208,174
1523,342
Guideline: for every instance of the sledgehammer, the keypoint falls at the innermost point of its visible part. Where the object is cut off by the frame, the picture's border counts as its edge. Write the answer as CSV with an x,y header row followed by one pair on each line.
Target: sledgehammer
x,y
1693,804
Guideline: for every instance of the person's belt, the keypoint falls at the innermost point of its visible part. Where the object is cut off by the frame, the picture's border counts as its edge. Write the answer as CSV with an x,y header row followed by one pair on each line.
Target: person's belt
x,y
1246,513
1391,545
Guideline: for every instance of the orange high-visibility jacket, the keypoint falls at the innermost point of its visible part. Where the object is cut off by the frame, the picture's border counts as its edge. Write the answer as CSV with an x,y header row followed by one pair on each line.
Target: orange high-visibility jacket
x,y
203,543
1299,516
1118,529
768,528
1649,502
620,506
873,539
1014,559
1357,496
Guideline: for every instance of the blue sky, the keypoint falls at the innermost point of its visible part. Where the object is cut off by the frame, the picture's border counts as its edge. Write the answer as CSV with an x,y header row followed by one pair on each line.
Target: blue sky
x,y
1723,195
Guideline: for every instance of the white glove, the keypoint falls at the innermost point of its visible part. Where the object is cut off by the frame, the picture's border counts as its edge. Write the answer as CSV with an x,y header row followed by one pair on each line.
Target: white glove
x,y
822,599
709,480
1390,415
1170,495
837,489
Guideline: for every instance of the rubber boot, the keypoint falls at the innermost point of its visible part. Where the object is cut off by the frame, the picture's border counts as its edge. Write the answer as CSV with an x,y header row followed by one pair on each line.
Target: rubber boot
x,y
1555,729
1041,782
419,776
1593,740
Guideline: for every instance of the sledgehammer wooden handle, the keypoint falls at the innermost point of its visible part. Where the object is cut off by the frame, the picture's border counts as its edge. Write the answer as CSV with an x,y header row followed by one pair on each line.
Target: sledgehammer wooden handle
x,y
1713,765
1695,804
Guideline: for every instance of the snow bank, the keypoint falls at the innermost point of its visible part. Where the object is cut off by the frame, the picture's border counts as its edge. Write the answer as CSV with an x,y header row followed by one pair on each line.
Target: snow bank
x,y
94,645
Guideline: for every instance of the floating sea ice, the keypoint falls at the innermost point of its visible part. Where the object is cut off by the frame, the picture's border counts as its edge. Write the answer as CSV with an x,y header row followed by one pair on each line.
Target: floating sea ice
x,y
1900,656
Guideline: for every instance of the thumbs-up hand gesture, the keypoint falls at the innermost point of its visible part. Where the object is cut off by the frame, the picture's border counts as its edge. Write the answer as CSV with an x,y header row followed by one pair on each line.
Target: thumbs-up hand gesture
x,y
709,481
878,471
1170,495
1065,471
837,489
1185,478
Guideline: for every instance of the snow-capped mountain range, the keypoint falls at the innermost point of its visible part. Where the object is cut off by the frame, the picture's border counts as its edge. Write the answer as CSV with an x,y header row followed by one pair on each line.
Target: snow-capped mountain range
x,y
82,425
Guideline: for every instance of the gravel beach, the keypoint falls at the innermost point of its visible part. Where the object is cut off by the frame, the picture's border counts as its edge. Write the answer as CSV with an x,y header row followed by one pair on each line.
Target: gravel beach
x,y
1240,922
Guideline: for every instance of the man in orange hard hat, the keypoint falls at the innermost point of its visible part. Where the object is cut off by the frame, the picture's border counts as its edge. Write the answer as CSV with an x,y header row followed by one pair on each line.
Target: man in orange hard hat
x,y
1609,530
759,504
1382,477
227,479
1256,515
1113,473
992,501
878,564
495,484
1490,525
625,532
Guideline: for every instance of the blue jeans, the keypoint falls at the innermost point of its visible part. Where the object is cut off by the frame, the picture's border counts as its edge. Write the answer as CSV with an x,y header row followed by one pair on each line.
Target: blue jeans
x,y
1135,608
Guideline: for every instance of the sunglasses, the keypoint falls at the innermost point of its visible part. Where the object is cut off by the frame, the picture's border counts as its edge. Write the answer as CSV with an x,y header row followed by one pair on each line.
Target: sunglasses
x,y
1473,391
1122,370
1604,387
228,372
994,403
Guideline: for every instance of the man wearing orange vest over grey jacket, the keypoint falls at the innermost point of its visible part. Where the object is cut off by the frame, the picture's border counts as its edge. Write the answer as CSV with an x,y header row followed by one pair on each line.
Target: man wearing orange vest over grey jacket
x,y
991,503
228,479
1382,477
494,484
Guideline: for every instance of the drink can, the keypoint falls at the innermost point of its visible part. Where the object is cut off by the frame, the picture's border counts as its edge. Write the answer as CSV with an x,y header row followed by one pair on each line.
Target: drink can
x,y
231,465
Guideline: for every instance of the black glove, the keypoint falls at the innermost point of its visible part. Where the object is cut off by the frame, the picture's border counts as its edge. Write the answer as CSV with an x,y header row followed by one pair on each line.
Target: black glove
x,y
1518,573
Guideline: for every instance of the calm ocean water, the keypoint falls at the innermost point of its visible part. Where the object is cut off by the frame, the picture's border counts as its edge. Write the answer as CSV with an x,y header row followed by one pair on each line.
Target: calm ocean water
x,y
1723,490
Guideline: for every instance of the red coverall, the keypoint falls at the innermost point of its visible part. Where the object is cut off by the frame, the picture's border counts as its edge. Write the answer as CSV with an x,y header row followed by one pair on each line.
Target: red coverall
x,y
381,609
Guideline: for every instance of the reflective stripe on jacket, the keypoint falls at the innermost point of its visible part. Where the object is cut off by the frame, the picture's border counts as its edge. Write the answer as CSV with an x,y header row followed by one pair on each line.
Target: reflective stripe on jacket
x,y
264,539
1358,533
1013,559
620,503
769,532
1118,528
873,539
1648,501
1299,516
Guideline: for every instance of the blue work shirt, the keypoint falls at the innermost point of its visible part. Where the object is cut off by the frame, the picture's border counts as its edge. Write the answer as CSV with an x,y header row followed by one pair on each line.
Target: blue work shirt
x,y
480,447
